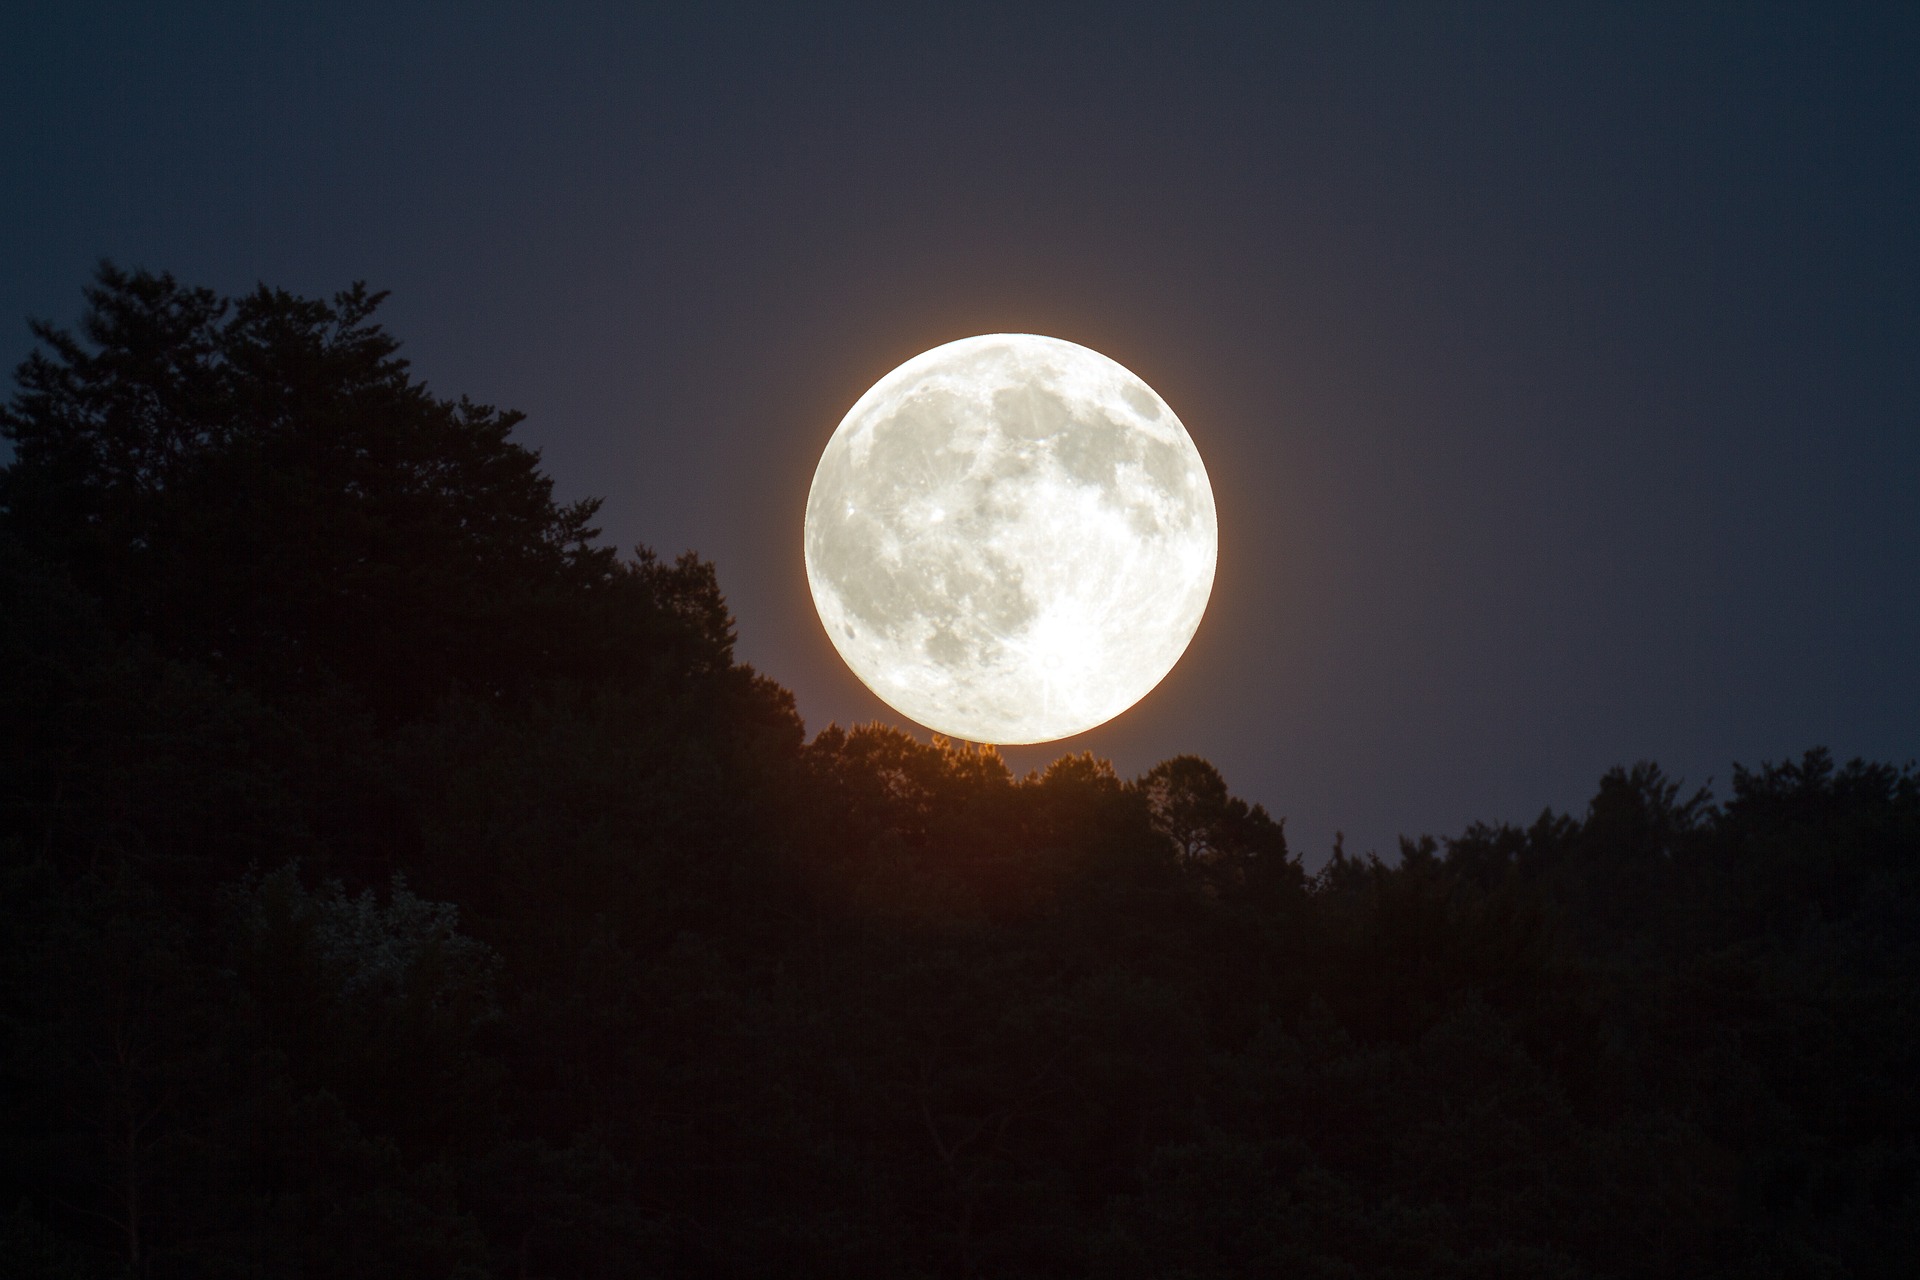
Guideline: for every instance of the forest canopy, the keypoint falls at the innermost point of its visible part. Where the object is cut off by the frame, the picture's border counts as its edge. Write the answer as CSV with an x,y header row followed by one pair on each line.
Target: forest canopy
x,y
395,881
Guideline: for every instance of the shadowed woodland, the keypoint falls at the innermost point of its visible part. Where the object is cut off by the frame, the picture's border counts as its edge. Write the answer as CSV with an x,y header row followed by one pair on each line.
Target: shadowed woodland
x,y
394,882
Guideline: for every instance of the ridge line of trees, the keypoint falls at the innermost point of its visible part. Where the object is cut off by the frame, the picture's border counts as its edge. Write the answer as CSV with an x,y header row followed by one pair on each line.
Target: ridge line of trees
x,y
394,881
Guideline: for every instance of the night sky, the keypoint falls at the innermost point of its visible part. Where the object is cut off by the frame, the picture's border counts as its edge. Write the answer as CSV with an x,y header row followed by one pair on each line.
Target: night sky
x,y
1557,367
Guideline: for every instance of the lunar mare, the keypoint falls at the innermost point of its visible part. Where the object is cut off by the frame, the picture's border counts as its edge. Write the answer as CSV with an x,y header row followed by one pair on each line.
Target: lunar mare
x,y
1010,539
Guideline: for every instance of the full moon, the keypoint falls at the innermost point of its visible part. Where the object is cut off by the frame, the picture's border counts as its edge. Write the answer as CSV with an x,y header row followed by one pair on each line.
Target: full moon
x,y
1010,539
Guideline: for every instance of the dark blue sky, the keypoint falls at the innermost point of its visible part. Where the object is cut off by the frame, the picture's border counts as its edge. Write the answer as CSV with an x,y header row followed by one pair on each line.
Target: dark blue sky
x,y
1557,367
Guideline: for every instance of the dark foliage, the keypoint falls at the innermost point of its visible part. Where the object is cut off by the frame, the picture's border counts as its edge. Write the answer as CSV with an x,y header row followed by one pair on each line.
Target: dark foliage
x,y
392,882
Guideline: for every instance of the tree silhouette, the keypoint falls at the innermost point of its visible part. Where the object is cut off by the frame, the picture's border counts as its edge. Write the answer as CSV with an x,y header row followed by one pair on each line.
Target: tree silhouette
x,y
394,883
260,485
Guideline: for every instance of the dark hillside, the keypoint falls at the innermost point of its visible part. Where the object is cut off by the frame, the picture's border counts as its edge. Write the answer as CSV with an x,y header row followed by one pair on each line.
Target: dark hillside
x,y
393,882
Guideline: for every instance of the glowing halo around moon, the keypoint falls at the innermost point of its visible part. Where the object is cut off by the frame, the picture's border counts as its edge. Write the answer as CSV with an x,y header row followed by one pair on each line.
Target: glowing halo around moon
x,y
1010,539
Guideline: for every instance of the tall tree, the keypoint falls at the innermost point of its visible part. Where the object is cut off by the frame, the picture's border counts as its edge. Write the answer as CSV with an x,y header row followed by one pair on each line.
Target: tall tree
x,y
260,484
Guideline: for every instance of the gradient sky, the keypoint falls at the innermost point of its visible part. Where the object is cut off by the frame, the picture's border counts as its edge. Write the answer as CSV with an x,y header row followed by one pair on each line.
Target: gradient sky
x,y
1557,367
